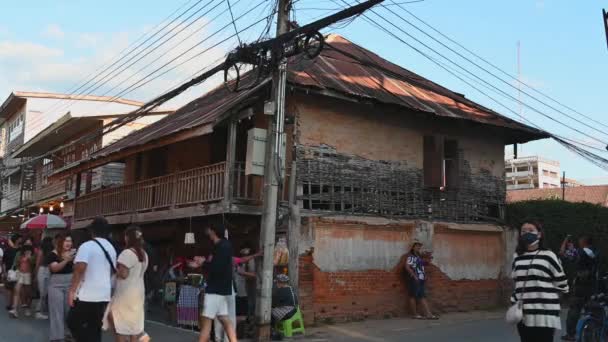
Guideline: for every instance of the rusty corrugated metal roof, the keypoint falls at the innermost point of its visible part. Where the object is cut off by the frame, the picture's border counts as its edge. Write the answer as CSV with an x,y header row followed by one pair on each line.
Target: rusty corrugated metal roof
x,y
388,83
332,70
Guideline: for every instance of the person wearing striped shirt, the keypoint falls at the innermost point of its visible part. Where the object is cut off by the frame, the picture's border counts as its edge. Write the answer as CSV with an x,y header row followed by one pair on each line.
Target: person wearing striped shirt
x,y
539,281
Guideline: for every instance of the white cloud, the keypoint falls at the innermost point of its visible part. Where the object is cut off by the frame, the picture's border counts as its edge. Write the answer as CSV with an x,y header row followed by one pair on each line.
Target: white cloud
x,y
32,66
88,40
53,31
27,51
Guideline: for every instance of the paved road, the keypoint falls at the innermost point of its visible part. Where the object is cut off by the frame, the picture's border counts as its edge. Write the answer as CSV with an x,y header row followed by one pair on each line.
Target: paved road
x,y
460,327
31,330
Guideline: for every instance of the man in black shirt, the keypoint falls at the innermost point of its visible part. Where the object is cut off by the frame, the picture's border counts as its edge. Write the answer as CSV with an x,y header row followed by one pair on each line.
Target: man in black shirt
x,y
219,285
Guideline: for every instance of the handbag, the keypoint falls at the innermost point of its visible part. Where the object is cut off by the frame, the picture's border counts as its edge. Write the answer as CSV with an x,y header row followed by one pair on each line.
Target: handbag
x,y
515,314
11,276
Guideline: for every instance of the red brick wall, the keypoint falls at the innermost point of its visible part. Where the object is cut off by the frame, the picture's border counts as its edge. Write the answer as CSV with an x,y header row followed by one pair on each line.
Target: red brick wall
x,y
348,296
446,295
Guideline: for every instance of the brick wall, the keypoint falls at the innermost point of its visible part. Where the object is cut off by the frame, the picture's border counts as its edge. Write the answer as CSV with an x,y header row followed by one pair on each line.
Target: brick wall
x,y
447,295
350,296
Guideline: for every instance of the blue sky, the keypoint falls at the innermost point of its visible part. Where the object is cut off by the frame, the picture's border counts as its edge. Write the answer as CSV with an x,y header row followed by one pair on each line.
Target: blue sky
x,y
563,50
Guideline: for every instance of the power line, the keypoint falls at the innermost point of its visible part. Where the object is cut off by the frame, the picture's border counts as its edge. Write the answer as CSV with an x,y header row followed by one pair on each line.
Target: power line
x,y
490,73
595,159
97,74
171,48
501,70
149,106
505,94
233,22
116,71
131,87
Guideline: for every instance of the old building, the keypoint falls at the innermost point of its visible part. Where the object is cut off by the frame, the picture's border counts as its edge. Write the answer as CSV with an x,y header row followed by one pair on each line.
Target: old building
x,y
36,123
381,157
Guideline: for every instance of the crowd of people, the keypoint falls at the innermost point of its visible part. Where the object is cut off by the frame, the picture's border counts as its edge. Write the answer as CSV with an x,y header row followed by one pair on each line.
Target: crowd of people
x,y
101,285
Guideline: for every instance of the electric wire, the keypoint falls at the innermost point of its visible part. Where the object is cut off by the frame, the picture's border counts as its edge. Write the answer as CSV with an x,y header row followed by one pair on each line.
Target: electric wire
x,y
233,22
504,94
131,50
568,143
500,69
146,51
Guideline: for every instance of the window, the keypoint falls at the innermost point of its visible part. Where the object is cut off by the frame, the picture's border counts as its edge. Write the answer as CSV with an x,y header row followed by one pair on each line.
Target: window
x,y
15,127
47,169
441,162
509,169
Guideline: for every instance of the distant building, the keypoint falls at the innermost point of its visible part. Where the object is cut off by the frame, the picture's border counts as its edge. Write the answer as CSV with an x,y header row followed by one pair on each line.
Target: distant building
x,y
596,194
532,173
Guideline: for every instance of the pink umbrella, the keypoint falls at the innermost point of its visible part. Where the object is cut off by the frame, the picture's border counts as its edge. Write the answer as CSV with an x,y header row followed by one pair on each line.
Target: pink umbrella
x,y
45,221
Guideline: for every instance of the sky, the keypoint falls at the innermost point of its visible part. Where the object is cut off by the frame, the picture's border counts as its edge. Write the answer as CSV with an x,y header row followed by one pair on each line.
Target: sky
x,y
563,52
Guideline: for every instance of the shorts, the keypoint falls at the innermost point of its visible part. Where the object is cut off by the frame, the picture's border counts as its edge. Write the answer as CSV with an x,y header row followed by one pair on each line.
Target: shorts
x,y
24,278
215,305
416,288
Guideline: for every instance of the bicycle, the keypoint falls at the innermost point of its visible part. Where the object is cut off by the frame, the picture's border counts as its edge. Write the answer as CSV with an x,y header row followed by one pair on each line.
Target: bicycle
x,y
593,324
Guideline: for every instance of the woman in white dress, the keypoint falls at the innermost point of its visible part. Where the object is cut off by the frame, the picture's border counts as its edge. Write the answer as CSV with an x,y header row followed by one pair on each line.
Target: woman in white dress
x,y
127,306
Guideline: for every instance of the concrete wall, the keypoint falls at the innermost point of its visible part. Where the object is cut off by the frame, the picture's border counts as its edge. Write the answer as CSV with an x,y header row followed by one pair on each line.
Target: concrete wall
x,y
352,247
379,133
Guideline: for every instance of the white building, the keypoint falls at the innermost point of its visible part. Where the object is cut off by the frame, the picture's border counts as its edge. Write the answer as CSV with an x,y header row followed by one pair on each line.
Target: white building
x,y
532,173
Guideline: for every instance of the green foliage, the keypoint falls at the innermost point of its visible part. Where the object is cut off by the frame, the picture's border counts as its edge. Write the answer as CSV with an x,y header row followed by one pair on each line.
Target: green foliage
x,y
561,218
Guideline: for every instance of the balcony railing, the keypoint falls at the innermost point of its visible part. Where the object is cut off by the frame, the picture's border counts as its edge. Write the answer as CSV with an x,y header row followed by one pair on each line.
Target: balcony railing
x,y
191,187
49,191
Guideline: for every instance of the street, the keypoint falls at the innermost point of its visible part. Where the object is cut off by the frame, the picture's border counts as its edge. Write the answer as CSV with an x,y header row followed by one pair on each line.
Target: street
x,y
31,330
455,327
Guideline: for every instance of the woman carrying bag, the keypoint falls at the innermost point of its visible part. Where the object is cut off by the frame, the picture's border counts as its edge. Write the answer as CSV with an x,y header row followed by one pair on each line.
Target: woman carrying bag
x,y
126,310
539,281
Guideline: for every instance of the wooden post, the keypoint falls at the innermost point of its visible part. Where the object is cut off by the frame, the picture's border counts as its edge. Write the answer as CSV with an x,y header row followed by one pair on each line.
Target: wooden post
x,y
78,183
230,164
294,229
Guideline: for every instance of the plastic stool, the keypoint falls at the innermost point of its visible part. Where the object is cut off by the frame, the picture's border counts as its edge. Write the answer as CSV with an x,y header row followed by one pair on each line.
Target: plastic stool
x,y
286,327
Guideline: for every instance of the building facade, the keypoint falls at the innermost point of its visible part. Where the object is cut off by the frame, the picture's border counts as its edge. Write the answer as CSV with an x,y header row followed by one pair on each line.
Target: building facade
x,y
375,158
36,123
532,173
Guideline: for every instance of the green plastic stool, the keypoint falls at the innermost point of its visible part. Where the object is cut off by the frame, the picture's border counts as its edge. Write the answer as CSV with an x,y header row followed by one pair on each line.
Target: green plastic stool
x,y
286,326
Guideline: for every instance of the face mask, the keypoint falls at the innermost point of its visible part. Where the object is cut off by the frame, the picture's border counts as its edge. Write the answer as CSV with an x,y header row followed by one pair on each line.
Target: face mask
x,y
530,239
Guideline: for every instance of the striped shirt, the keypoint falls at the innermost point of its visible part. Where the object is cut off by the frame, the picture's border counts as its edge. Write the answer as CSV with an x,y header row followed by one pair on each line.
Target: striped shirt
x,y
539,280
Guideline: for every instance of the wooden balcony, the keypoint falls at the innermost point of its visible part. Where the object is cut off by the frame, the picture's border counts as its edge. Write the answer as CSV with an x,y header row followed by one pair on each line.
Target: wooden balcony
x,y
49,191
187,188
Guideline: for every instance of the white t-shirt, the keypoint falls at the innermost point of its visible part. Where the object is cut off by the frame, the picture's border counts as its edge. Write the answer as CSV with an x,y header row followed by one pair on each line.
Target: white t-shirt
x,y
96,285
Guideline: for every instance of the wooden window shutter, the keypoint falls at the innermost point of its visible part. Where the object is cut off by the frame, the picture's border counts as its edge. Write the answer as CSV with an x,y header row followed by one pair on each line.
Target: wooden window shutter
x,y
433,161
452,164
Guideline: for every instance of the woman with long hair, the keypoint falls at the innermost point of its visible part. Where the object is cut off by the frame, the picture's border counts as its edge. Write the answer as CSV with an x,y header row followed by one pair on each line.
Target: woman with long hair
x,y
539,281
42,276
61,263
127,305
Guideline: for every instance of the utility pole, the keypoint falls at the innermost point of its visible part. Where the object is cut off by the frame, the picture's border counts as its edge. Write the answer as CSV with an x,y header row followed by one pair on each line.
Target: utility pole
x,y
564,186
272,170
